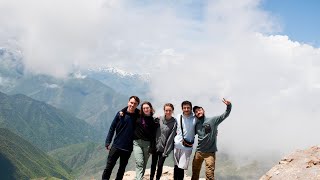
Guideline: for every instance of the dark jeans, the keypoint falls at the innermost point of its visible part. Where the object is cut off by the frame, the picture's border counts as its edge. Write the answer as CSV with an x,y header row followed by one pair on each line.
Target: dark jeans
x,y
157,158
113,156
178,173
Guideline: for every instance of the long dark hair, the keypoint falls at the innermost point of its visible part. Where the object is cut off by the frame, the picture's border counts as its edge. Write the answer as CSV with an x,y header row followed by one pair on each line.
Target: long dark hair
x,y
141,110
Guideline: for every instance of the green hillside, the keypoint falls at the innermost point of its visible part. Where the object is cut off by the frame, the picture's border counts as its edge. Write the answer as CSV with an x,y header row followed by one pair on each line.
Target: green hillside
x,y
86,99
43,125
21,160
83,97
87,160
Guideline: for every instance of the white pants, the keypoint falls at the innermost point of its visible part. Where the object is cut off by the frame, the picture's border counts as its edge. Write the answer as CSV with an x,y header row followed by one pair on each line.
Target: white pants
x,y
181,158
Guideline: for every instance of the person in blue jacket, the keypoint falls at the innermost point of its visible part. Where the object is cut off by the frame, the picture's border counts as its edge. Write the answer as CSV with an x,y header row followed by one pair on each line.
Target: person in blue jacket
x,y
122,145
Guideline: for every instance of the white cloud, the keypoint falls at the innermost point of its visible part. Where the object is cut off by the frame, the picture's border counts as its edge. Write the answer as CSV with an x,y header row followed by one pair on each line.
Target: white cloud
x,y
272,81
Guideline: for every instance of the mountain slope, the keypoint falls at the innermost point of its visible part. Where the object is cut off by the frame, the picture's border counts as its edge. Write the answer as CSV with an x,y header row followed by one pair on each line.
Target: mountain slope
x,y
87,160
21,160
301,164
139,83
87,99
43,125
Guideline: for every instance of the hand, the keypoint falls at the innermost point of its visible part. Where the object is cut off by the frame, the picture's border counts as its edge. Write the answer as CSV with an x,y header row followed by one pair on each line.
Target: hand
x,y
226,101
164,155
157,119
108,147
121,113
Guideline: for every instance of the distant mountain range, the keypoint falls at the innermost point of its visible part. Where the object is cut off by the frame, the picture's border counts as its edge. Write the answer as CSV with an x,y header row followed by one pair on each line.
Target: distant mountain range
x,y
124,82
43,125
21,160
87,97
94,95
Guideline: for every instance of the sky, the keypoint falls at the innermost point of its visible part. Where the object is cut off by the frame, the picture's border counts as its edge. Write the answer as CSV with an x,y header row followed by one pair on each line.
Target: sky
x,y
299,19
254,53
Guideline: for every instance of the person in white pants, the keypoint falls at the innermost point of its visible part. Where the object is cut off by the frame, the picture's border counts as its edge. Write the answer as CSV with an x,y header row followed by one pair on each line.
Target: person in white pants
x,y
183,141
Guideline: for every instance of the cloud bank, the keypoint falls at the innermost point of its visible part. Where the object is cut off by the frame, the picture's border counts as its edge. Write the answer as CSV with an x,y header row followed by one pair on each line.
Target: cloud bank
x,y
200,52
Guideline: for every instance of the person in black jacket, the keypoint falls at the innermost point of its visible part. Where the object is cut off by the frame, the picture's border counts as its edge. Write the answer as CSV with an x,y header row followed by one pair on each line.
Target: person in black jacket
x,y
144,138
122,146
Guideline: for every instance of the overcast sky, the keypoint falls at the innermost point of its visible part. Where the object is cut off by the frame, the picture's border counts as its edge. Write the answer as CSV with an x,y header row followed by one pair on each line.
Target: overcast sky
x,y
196,51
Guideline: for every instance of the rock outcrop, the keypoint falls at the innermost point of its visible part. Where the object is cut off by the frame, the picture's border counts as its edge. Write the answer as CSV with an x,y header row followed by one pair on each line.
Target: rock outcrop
x,y
167,174
303,164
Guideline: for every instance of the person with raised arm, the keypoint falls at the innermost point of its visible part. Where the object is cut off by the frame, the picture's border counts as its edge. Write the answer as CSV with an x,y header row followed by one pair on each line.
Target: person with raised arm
x,y
207,129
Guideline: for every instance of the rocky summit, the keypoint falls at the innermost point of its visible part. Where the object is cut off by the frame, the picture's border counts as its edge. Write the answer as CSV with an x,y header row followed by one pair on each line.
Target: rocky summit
x,y
167,174
302,164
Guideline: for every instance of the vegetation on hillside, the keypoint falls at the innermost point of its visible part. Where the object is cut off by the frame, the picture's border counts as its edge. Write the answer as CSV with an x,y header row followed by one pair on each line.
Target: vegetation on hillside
x,y
19,159
43,125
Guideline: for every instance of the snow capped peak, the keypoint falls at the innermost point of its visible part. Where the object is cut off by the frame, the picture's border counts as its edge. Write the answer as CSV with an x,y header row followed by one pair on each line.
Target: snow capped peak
x,y
78,75
112,70
10,53
120,72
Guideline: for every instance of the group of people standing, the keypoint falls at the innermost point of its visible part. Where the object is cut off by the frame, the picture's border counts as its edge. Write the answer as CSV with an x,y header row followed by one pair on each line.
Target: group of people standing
x,y
138,131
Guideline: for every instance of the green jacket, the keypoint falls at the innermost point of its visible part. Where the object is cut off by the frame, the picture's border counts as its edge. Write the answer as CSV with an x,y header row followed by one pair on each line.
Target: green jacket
x,y
207,129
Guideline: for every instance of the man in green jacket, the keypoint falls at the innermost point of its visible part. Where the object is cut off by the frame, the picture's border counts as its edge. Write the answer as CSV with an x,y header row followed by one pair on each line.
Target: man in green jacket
x,y
207,129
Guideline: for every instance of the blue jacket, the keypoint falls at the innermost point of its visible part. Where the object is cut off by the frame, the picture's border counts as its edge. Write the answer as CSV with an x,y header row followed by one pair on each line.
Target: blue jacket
x,y
124,127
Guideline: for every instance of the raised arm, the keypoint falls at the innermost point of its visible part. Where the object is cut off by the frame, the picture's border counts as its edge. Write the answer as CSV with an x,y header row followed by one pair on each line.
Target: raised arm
x,y
223,116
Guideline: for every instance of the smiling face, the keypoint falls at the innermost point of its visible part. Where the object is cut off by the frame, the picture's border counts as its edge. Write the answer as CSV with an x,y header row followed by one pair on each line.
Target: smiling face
x,y
146,109
199,113
132,105
186,109
168,112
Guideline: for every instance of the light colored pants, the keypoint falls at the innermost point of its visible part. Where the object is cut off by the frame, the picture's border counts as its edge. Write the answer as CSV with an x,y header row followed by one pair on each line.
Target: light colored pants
x,y
209,159
141,155
181,158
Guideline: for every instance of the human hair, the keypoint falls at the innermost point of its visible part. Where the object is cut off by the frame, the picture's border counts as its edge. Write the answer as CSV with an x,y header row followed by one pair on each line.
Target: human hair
x,y
169,105
186,103
135,98
150,105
